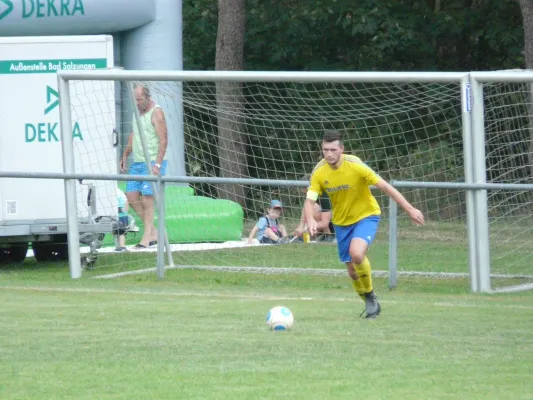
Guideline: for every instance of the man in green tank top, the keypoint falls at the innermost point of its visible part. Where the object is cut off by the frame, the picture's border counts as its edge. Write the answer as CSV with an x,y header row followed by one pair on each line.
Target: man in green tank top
x,y
140,195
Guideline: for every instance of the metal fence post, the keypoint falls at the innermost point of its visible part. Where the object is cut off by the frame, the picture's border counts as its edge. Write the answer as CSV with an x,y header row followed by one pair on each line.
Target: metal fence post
x,y
67,146
393,242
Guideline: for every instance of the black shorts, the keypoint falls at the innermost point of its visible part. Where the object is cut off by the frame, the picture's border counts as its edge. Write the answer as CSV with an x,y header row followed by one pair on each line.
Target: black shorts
x,y
267,240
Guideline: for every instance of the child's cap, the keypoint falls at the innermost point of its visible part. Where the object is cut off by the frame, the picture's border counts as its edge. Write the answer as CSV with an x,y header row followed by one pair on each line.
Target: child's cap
x,y
276,204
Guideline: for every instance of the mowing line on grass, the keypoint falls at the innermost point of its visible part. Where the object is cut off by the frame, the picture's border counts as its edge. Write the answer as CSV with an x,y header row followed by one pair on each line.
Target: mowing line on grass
x,y
305,271
251,296
514,289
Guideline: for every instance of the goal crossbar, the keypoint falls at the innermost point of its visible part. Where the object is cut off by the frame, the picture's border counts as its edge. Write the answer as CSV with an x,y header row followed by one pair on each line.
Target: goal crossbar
x,y
117,74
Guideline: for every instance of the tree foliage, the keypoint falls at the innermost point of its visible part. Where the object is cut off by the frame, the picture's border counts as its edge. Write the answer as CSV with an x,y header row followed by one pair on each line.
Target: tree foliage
x,y
367,35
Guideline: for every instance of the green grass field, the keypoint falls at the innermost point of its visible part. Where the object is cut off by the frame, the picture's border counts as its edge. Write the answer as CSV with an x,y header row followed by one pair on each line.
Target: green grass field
x,y
201,334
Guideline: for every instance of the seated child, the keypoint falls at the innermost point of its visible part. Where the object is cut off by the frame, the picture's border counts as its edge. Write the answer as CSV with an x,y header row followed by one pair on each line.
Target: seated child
x,y
268,228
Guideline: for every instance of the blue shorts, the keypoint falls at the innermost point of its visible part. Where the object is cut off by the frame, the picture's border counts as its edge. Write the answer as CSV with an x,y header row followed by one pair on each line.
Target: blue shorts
x,y
365,229
145,188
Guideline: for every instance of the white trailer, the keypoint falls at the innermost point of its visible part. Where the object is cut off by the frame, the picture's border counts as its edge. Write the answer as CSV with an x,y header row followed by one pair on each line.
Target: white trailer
x,y
33,210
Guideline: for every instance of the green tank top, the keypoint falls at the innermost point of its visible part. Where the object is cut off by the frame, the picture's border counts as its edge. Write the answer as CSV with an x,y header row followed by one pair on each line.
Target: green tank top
x,y
152,140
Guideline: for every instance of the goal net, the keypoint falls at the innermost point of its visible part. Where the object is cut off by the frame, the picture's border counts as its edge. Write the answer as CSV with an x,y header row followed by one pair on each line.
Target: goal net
x,y
273,130
509,159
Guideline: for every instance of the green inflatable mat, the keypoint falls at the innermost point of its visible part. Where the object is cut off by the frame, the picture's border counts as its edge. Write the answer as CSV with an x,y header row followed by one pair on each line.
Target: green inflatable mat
x,y
192,219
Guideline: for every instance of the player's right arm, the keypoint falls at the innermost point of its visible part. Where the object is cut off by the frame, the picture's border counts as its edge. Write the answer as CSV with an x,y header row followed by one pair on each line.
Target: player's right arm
x,y
309,206
314,190
127,152
299,230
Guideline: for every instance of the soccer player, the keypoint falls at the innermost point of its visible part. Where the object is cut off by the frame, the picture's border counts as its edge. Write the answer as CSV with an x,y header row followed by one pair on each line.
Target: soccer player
x,y
356,213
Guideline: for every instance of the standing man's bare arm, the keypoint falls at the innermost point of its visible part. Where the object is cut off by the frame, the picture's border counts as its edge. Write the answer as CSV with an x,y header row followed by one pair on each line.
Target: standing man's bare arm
x,y
323,224
160,125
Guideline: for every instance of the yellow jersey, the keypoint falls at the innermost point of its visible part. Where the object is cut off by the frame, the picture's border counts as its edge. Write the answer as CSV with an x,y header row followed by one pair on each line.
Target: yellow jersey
x,y
348,188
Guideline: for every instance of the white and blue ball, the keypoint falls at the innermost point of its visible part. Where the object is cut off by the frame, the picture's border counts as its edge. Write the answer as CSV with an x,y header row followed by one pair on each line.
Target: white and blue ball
x,y
280,319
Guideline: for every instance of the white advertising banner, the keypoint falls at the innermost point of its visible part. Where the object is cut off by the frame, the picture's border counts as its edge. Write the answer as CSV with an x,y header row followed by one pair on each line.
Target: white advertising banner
x,y
29,127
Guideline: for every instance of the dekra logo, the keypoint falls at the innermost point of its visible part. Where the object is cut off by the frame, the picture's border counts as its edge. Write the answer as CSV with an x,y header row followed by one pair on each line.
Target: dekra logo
x,y
43,8
44,132
7,7
52,99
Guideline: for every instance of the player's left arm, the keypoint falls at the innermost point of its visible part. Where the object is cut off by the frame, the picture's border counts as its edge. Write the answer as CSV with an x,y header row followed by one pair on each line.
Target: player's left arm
x,y
160,125
314,190
416,215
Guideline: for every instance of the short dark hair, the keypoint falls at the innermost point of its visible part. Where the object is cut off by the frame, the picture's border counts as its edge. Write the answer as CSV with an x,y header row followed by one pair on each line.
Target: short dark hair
x,y
332,135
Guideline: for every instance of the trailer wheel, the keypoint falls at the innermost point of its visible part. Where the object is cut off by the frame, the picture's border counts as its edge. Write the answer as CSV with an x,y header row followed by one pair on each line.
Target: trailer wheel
x,y
59,251
55,250
17,252
41,251
59,248
4,255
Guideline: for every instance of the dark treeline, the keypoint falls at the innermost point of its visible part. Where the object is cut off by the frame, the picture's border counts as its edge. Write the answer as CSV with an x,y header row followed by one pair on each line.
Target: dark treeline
x,y
314,35
394,35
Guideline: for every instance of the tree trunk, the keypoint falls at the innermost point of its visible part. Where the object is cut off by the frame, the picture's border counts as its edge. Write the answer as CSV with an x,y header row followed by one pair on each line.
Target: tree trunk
x,y
232,141
526,6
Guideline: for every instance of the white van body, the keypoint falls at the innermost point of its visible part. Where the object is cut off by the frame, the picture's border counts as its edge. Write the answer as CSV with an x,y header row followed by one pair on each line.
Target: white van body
x,y
33,210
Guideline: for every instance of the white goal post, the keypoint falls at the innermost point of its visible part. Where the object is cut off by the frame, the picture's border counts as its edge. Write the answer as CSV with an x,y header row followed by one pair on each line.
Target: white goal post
x,y
502,132
422,129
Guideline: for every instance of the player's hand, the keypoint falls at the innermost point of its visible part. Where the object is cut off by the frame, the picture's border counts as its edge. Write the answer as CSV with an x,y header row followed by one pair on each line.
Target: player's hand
x,y
123,165
312,227
156,170
416,216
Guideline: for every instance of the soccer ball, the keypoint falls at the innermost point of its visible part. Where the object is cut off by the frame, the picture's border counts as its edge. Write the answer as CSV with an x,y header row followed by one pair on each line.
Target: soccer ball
x,y
280,319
